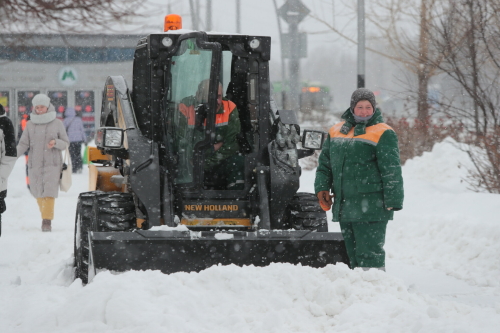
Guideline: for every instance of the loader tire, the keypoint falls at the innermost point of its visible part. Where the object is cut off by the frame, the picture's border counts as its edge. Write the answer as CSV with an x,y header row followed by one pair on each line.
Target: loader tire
x,y
85,212
99,211
116,211
304,213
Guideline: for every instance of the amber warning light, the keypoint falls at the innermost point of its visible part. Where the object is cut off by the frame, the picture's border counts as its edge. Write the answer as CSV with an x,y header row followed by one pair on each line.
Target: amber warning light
x,y
172,22
311,89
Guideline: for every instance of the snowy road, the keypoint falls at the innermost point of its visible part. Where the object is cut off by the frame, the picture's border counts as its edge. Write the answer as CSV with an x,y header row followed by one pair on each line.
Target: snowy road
x,y
443,273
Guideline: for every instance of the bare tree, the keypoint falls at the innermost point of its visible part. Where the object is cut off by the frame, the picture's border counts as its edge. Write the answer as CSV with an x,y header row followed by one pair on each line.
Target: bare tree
x,y
396,22
401,30
28,16
469,38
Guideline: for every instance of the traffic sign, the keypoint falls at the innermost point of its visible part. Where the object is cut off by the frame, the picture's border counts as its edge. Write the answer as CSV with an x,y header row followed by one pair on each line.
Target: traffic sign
x,y
293,11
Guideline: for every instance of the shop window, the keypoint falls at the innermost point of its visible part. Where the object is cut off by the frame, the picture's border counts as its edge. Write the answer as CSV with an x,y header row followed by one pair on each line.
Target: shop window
x,y
84,106
4,100
24,107
59,98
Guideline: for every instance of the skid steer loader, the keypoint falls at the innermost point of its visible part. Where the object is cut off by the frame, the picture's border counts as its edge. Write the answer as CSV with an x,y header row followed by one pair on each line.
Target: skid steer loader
x,y
151,204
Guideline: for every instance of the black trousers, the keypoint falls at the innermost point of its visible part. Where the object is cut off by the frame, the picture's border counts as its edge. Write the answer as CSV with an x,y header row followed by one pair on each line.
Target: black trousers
x,y
3,194
75,151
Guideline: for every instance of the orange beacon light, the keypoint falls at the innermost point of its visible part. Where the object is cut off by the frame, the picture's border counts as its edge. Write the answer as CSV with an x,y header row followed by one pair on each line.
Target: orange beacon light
x,y
172,22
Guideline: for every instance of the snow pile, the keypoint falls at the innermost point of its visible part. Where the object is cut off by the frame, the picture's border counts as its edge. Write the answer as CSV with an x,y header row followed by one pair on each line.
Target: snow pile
x,y
445,166
278,298
442,273
463,240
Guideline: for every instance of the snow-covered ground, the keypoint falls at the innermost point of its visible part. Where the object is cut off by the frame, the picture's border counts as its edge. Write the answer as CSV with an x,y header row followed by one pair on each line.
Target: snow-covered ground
x,y
443,273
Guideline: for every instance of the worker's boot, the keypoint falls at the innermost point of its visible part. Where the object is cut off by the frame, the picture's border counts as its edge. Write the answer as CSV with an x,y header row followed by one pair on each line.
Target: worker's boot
x,y
46,225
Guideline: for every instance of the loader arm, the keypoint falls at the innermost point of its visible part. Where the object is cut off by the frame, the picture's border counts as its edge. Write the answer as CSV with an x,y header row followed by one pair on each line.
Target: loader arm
x,y
142,162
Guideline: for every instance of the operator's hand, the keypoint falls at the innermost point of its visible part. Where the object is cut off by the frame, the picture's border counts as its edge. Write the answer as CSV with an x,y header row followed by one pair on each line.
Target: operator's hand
x,y
325,199
390,208
51,143
218,145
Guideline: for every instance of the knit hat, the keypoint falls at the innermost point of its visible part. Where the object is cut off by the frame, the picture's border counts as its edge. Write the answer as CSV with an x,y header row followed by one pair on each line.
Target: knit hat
x,y
363,94
41,99
2,110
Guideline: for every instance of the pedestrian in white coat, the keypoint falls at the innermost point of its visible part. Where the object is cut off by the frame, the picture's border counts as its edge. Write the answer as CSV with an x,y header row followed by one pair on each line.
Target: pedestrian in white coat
x,y
46,138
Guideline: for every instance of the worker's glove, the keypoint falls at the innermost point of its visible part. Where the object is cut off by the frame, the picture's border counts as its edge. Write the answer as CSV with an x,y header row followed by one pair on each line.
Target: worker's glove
x,y
200,116
325,199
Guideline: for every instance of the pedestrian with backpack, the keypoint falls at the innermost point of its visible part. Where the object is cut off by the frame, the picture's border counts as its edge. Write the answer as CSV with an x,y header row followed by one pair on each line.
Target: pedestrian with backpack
x,y
76,135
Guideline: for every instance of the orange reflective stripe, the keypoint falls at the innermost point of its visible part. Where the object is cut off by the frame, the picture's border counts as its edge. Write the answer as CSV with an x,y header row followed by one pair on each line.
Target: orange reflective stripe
x,y
188,112
373,133
222,119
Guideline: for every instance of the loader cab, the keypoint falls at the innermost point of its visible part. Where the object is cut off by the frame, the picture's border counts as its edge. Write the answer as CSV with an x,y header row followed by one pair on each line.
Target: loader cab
x,y
168,69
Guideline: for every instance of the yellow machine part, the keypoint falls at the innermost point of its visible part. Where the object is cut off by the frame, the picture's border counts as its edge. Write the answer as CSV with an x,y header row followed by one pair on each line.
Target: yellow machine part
x,y
100,178
209,221
95,155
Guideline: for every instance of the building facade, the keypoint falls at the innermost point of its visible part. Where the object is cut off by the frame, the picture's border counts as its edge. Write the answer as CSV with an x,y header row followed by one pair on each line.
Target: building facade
x,y
70,69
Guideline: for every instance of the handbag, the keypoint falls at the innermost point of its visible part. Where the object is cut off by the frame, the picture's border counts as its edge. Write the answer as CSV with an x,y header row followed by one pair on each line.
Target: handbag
x,y
65,181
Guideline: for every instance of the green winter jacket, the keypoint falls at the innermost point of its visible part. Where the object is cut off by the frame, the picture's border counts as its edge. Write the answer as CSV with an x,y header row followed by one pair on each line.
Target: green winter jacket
x,y
360,164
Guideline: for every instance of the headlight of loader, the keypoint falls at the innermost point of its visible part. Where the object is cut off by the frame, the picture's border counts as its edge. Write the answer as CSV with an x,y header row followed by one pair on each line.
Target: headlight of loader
x,y
113,138
109,137
313,139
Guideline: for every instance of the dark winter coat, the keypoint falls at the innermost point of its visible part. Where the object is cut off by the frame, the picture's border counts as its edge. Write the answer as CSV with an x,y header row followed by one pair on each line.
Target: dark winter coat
x,y
44,164
8,154
360,164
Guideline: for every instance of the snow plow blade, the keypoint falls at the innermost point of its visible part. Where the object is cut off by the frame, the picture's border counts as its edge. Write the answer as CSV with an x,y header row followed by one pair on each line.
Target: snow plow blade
x,y
188,251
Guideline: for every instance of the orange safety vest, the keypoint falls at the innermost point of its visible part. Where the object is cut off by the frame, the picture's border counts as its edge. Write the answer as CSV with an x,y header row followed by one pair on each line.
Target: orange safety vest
x,y
221,118
24,121
372,135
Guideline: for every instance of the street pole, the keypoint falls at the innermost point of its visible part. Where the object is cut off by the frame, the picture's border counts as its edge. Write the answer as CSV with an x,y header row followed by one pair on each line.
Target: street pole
x,y
209,15
194,17
293,12
283,74
361,43
294,65
238,16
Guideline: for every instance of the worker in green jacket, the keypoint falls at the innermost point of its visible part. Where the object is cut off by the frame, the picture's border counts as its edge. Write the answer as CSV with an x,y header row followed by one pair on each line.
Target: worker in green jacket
x,y
360,164
224,165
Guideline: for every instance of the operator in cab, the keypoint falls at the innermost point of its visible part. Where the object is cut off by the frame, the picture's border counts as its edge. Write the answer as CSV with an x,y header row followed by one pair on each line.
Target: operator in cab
x,y
224,164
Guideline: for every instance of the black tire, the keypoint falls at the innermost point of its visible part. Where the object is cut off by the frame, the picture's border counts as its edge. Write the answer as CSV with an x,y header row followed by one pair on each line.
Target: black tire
x,y
304,213
116,211
99,211
83,224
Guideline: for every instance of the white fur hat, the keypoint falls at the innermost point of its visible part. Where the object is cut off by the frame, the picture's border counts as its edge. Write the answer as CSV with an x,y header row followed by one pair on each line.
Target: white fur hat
x,y
41,99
